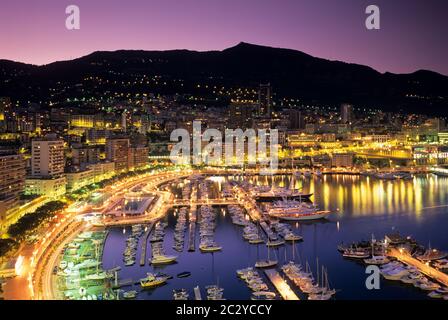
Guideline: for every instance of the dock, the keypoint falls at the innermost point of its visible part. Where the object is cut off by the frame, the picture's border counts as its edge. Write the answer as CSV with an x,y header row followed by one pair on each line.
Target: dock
x,y
192,229
145,244
421,266
197,293
280,284
267,230
123,283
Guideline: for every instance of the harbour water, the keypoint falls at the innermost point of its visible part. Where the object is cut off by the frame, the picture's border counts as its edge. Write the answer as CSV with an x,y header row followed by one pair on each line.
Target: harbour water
x,y
363,206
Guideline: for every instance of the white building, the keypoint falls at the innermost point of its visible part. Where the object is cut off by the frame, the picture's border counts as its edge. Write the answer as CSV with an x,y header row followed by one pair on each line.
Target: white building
x,y
50,187
78,179
102,170
47,157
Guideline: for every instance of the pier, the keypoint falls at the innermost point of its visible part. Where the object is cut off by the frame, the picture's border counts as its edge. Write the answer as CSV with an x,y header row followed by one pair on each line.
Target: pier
x,y
145,244
208,202
123,283
197,293
192,229
267,230
282,287
421,266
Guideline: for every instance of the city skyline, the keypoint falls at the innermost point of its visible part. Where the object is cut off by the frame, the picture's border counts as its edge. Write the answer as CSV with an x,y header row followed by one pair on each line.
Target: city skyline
x,y
36,33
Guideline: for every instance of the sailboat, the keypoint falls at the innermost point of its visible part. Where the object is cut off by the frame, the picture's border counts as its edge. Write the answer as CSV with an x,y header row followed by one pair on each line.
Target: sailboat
x,y
325,292
376,260
266,263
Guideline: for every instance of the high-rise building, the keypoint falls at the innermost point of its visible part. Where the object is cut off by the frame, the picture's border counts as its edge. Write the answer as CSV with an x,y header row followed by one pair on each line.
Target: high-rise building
x,y
5,105
346,113
264,99
47,157
12,184
82,155
241,115
117,151
138,158
124,121
296,119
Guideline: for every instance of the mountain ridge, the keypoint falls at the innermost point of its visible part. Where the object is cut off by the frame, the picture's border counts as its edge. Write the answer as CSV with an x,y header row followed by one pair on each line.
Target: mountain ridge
x,y
292,73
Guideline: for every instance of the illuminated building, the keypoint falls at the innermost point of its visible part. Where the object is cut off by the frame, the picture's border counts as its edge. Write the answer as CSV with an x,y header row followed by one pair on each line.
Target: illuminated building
x,y
264,99
346,113
97,136
241,115
443,137
87,121
117,151
342,159
76,179
82,155
102,170
296,119
12,184
47,157
5,105
138,157
424,155
53,187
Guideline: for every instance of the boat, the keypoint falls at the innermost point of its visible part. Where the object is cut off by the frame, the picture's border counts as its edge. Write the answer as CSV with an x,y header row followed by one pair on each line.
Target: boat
x,y
432,254
152,281
265,263
130,294
441,264
96,276
355,253
376,260
263,295
292,237
180,294
293,210
184,274
264,194
394,274
209,247
163,259
214,292
275,243
257,240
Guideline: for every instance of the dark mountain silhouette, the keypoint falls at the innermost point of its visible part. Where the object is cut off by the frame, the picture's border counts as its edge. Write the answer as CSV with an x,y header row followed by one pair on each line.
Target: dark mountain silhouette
x,y
293,74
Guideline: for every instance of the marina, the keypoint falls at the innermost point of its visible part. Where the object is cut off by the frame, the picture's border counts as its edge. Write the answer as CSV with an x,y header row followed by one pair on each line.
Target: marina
x,y
233,236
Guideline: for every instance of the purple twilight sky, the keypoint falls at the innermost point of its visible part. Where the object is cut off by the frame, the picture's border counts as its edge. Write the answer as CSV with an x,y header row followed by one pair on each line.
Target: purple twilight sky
x,y
412,36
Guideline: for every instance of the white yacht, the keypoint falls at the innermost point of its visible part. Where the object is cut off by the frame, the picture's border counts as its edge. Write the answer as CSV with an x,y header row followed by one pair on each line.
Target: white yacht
x,y
296,211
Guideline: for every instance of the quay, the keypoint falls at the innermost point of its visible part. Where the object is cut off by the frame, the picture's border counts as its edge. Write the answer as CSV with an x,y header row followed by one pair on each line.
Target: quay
x,y
192,229
145,244
123,283
267,230
208,202
422,267
282,287
197,293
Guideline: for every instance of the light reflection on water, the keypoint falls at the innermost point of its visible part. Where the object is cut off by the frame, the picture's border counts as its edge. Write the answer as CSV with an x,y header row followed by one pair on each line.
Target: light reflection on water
x,y
414,207
365,196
